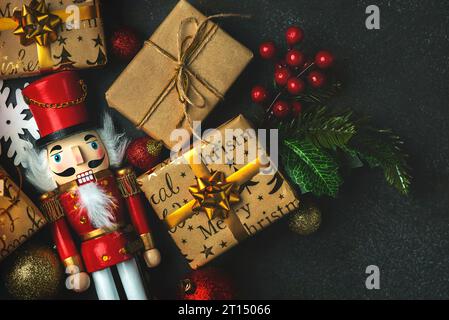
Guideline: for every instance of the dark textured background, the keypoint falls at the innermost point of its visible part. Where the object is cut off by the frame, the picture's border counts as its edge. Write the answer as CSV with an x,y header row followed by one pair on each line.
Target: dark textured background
x,y
399,76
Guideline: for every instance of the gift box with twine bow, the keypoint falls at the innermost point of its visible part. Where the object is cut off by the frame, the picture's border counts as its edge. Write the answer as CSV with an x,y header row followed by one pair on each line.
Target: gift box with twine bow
x,y
39,36
182,72
19,217
209,209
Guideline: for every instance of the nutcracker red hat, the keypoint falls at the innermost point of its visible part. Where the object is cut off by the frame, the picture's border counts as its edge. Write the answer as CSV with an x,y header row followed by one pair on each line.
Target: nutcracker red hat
x,y
57,104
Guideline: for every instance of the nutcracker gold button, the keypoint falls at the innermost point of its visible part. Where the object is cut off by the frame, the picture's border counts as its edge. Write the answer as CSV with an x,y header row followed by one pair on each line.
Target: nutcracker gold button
x,y
104,182
4,237
76,206
105,258
123,251
83,219
72,195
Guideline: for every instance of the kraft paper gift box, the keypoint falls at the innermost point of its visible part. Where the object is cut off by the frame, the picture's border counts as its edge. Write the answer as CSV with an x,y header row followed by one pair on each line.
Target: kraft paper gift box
x,y
264,199
165,82
56,48
19,217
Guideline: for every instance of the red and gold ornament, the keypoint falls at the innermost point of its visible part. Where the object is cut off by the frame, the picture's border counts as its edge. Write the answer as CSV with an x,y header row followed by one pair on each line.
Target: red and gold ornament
x,y
144,153
207,284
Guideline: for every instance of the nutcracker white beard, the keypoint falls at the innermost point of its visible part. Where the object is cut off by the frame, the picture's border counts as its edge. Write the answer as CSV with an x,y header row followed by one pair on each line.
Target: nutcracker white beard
x,y
98,205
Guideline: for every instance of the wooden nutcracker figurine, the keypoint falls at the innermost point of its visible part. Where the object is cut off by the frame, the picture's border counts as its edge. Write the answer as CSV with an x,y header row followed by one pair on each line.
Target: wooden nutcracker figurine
x,y
72,164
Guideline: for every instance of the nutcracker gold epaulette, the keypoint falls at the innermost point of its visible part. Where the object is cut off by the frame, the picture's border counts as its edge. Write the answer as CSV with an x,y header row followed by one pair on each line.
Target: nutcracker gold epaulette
x,y
51,207
127,182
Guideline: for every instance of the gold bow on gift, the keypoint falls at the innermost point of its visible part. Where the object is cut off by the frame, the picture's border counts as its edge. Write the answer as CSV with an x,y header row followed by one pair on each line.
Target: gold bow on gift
x,y
37,24
215,194
189,47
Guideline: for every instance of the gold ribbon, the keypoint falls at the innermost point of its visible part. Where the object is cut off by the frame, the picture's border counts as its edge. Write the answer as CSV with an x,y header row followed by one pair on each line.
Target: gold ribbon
x,y
214,195
188,47
35,23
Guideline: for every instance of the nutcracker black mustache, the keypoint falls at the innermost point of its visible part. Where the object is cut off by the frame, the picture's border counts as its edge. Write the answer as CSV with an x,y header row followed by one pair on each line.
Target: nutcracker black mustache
x,y
71,171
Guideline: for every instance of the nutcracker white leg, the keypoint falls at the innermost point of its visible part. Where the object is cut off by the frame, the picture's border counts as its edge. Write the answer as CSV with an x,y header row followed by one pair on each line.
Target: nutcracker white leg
x,y
131,280
105,285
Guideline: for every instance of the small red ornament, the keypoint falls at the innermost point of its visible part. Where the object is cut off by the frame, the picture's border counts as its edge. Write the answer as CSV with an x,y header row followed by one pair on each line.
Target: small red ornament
x,y
295,86
294,35
125,43
294,58
259,94
281,76
296,108
316,79
207,284
144,153
267,50
324,59
281,109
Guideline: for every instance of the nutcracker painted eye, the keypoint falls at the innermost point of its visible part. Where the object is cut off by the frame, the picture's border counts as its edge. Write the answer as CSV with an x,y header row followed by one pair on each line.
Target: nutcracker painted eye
x,y
94,145
57,158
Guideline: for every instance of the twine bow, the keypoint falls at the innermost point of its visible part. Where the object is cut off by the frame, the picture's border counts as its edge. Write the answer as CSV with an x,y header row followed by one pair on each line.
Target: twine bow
x,y
36,24
188,49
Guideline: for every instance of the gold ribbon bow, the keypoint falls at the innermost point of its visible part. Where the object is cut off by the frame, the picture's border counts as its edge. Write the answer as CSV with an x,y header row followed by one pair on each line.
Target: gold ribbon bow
x,y
35,23
215,195
189,47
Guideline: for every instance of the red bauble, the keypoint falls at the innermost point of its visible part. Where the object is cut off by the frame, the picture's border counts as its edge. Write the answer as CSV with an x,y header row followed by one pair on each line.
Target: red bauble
x,y
125,43
281,76
324,59
294,58
296,108
267,50
207,284
144,153
316,79
259,94
294,35
295,86
281,109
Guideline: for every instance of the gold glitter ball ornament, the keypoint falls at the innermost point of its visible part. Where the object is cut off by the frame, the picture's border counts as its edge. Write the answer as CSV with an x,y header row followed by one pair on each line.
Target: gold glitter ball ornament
x,y
33,273
306,220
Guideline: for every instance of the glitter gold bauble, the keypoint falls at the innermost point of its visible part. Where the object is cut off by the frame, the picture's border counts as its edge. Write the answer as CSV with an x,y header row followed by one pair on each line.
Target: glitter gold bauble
x,y
33,272
306,220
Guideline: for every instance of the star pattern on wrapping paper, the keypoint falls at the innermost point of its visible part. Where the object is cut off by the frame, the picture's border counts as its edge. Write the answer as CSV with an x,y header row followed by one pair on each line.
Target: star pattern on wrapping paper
x,y
61,40
207,251
260,197
184,241
223,244
185,201
80,38
183,174
98,41
190,228
281,196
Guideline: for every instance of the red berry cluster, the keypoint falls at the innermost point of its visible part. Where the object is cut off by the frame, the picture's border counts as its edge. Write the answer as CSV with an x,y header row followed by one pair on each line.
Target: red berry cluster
x,y
289,71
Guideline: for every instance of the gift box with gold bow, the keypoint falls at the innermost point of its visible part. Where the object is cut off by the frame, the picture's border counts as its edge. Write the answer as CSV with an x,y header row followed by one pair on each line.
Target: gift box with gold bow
x,y
19,217
38,36
181,73
209,209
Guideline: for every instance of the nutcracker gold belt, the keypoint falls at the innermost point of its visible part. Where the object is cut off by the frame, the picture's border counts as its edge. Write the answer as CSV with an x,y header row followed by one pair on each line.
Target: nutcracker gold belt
x,y
37,24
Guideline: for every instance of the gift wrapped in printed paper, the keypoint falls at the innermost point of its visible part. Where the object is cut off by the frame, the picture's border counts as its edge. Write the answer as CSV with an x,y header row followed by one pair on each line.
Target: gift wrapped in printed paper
x,y
245,201
19,217
39,36
182,72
